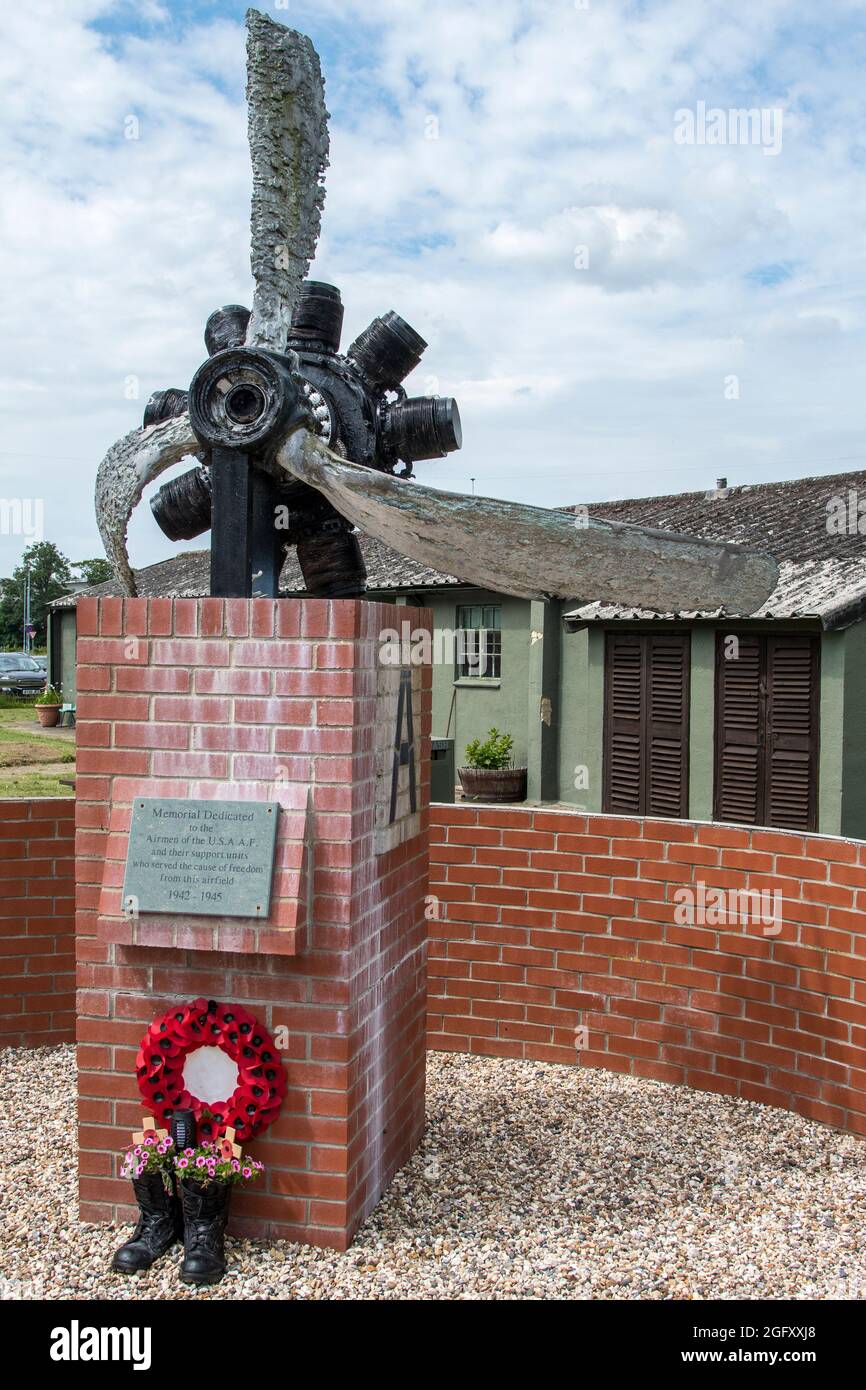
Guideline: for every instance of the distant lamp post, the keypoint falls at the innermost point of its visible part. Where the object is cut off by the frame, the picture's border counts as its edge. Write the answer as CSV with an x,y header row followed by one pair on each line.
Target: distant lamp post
x,y
29,629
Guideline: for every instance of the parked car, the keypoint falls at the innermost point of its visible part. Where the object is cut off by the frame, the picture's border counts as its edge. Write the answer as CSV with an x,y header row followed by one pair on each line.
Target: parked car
x,y
41,661
20,675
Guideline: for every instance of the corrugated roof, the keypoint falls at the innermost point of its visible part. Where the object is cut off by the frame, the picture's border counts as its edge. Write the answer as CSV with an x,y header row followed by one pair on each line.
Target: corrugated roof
x,y
187,575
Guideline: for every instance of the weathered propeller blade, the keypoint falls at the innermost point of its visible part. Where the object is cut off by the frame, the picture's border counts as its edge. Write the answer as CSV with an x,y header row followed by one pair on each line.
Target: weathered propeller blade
x,y
288,135
128,467
531,552
505,546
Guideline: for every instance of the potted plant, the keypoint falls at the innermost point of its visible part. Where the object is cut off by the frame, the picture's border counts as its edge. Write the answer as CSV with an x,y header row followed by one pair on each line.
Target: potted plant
x,y
48,706
490,774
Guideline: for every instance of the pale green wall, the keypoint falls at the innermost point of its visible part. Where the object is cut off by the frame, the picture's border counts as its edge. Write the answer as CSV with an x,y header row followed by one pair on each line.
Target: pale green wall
x,y
479,704
832,723
68,640
701,715
853,768
581,702
544,701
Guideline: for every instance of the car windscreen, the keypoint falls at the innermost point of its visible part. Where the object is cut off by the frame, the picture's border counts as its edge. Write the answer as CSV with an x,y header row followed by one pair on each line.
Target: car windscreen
x,y
9,662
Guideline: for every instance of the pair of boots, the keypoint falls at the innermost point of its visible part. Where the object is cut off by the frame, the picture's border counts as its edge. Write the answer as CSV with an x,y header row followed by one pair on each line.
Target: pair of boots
x,y
198,1217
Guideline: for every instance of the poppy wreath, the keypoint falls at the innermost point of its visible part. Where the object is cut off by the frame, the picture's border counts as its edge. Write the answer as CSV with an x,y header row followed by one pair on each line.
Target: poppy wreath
x,y
253,1105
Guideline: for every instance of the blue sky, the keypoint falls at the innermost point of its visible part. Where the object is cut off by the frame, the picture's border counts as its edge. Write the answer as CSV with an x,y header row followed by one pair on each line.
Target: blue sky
x,y
507,177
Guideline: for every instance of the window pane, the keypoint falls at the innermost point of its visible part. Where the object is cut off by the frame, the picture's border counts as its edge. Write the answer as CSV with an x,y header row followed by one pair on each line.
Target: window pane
x,y
479,650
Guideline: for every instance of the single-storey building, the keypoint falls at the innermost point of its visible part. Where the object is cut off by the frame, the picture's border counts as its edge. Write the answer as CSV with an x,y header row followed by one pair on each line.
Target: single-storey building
x,y
757,720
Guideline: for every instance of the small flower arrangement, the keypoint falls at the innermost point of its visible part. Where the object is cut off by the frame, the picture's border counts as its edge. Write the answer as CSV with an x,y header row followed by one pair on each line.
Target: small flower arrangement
x,y
205,1164
51,695
152,1155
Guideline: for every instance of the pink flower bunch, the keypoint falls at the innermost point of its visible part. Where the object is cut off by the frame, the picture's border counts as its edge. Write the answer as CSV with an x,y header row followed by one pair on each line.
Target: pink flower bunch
x,y
152,1155
205,1164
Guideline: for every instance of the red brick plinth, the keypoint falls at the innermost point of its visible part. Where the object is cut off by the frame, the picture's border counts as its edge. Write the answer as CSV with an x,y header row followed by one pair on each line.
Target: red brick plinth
x,y
273,701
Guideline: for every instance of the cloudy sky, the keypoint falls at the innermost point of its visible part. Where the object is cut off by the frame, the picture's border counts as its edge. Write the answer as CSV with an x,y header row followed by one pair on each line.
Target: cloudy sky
x,y
619,309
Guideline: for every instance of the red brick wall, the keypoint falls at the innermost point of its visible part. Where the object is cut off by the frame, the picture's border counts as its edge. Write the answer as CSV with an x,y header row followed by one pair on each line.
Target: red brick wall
x,y
37,922
552,921
177,698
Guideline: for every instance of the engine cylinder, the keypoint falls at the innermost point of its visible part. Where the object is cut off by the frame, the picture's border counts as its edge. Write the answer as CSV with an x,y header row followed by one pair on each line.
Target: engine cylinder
x,y
182,507
332,564
388,350
317,318
226,328
422,427
165,405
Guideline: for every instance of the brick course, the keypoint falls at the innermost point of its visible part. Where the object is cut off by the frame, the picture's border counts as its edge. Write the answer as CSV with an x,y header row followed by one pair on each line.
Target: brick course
x,y
37,922
555,920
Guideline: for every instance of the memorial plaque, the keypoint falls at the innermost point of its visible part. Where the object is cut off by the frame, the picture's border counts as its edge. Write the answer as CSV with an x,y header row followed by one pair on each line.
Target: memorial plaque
x,y
204,857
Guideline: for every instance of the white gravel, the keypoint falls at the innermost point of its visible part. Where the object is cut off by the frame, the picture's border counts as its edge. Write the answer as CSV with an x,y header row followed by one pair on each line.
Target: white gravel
x,y
532,1182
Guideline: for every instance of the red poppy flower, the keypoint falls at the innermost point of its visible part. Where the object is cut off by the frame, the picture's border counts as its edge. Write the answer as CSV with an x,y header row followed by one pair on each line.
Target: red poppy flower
x,y
262,1080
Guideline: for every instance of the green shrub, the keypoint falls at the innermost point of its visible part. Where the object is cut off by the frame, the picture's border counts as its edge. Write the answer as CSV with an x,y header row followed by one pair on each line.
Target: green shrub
x,y
495,751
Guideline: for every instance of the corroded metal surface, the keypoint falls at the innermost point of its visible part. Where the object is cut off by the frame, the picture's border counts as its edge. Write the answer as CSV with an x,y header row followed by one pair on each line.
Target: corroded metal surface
x,y
124,473
288,135
529,551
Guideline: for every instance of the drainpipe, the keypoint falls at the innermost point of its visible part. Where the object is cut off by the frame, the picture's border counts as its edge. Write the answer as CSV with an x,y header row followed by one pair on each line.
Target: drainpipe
x,y
542,743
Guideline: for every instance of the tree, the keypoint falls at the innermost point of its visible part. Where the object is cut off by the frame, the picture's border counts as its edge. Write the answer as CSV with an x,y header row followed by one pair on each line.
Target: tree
x,y
93,571
50,575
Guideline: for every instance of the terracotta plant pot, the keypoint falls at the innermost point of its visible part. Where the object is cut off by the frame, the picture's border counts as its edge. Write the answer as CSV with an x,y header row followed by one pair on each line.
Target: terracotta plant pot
x,y
493,783
48,715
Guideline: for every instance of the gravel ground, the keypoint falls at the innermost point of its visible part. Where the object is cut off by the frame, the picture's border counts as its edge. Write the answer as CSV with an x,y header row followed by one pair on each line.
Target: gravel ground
x,y
533,1182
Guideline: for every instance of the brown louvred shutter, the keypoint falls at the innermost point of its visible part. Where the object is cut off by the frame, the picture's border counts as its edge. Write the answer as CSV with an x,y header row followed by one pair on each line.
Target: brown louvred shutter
x,y
739,731
790,798
646,724
623,753
767,732
667,732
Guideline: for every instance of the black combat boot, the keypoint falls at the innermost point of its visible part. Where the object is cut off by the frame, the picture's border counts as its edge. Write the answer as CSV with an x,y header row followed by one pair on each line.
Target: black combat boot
x,y
160,1224
205,1214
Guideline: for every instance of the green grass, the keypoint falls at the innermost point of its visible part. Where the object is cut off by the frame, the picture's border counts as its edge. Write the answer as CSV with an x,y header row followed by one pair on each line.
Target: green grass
x,y
18,747
23,746
28,784
23,714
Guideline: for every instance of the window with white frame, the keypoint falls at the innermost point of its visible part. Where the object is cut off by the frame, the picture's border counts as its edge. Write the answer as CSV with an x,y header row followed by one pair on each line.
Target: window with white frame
x,y
479,642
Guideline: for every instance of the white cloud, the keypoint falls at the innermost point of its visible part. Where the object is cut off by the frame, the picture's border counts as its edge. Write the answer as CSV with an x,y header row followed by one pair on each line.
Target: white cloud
x,y
555,131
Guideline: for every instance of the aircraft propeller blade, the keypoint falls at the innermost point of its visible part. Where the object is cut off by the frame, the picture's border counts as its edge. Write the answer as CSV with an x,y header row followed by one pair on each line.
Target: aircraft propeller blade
x,y
530,552
124,473
288,135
